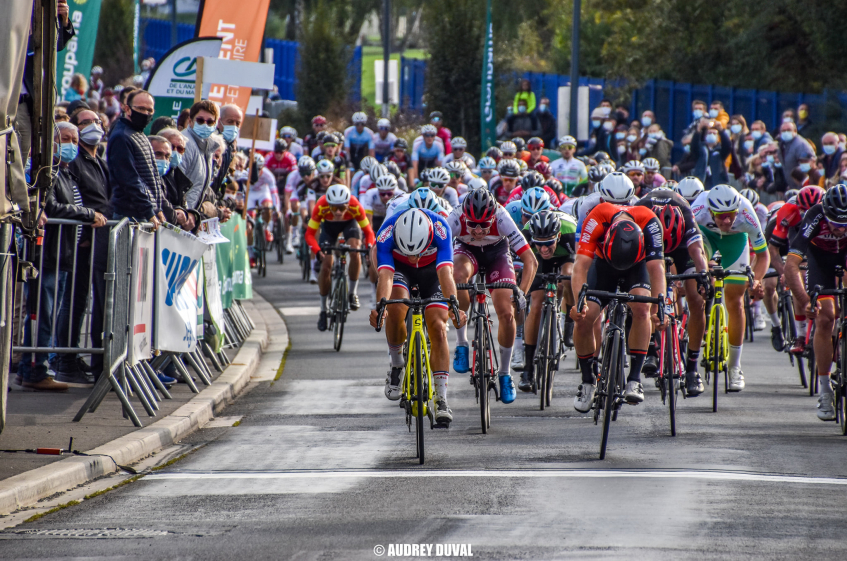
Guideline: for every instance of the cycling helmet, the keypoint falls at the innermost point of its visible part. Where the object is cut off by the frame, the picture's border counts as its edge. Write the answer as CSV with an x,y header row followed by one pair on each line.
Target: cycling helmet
x,y
339,138
456,166
288,131
338,195
438,176
325,167
633,165
674,226
413,232
359,118
624,245
651,164
383,124
392,168
477,183
671,184
690,188
545,224
534,142
429,129
519,143
532,179
378,171
306,166
258,161
479,206
280,145
494,153
567,139
575,207
602,157
543,168
616,188
458,142
508,147
367,163
386,183
556,186
723,198
329,138
487,163
834,204
597,173
509,168
791,193
809,197
401,143
318,120
320,137
534,200
423,197
751,196
522,166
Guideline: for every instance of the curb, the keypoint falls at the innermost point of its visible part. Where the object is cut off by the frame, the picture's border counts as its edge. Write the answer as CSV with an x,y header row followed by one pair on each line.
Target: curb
x,y
28,488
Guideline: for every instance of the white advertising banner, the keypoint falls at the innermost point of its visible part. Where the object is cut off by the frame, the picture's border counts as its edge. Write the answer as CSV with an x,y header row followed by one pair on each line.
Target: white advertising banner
x,y
177,263
213,293
141,297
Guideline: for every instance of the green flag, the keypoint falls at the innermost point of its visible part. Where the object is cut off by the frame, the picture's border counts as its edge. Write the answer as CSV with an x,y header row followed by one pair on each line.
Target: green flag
x,y
488,108
78,55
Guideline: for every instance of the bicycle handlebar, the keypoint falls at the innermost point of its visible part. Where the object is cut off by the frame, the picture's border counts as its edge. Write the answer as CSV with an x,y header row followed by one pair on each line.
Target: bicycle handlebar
x,y
552,277
489,286
342,248
704,276
415,303
721,273
621,297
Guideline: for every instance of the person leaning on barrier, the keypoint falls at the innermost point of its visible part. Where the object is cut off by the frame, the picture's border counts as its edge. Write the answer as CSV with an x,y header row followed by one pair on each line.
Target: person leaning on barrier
x,y
175,186
197,162
229,126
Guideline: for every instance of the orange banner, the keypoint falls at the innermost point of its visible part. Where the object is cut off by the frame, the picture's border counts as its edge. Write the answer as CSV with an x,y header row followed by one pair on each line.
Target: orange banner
x,y
241,26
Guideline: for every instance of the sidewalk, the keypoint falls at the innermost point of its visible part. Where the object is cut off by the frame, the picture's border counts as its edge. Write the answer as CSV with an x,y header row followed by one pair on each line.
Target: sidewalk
x,y
44,420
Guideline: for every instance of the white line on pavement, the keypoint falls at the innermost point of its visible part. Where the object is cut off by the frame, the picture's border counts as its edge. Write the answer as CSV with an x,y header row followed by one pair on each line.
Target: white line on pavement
x,y
301,311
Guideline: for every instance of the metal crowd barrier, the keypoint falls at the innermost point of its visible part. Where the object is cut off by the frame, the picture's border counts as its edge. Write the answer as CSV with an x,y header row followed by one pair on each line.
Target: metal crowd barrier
x,y
141,380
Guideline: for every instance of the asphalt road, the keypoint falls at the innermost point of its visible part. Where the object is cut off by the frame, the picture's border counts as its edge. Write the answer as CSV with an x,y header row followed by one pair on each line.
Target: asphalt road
x,y
322,467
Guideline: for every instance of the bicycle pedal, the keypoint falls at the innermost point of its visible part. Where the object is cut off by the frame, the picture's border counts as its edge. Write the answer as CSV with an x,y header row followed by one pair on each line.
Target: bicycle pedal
x,y
441,425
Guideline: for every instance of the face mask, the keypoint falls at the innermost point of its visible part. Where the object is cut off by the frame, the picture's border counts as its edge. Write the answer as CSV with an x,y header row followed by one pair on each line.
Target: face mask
x,y
828,149
698,113
656,135
756,135
176,159
713,113
777,164
163,166
620,135
542,108
609,126
786,136
606,111
770,158
230,132
521,109
91,135
646,121
842,146
631,138
802,113
787,120
748,145
735,129
686,148
139,120
203,131
711,138
596,124
642,151
621,149
68,152
805,167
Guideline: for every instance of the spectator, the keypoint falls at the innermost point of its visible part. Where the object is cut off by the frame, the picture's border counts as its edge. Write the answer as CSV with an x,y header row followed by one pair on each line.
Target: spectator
x,y
547,122
659,147
806,173
718,113
92,97
772,168
122,95
523,123
137,190
197,161
842,141
698,111
229,125
60,115
634,146
711,167
622,115
524,94
95,83
443,133
804,123
831,158
738,159
685,166
792,148
182,120
160,123
112,105
841,175
647,118
176,184
761,137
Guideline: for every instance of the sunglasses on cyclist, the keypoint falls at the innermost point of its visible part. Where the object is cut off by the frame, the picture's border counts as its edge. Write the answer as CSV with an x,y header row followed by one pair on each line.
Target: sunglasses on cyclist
x,y
337,209
544,243
429,136
568,147
725,215
386,194
202,121
838,225
479,225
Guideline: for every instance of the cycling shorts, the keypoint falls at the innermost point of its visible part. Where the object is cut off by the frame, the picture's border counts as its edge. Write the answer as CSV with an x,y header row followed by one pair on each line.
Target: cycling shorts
x,y
681,260
548,266
377,221
821,268
495,259
425,278
602,276
733,249
331,230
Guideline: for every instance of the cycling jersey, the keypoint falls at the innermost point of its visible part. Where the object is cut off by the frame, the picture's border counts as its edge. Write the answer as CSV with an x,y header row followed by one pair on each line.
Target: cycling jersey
x,y
503,227
403,163
761,213
322,213
658,199
285,164
364,185
439,251
785,220
469,160
428,157
400,204
372,202
358,144
340,163
589,202
601,217
569,173
355,180
450,195
815,232
566,245
517,194
296,149
746,222
499,190
383,146
292,181
263,190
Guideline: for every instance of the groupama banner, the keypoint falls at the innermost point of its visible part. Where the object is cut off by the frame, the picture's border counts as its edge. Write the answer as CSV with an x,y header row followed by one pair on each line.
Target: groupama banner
x,y
78,55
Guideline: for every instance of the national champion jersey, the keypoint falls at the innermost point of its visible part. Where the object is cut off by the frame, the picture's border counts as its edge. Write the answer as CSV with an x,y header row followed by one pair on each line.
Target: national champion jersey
x,y
440,249
569,173
746,222
322,213
372,202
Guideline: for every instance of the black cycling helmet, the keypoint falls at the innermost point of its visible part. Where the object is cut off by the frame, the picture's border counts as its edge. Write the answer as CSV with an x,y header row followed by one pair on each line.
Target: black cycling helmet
x,y
401,143
280,146
532,179
624,245
519,143
597,173
494,153
479,206
306,166
555,185
509,168
320,137
393,168
601,157
545,224
834,204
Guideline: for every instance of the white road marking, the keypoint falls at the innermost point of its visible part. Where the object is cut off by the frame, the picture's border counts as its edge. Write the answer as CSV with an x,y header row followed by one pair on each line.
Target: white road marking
x,y
301,311
333,397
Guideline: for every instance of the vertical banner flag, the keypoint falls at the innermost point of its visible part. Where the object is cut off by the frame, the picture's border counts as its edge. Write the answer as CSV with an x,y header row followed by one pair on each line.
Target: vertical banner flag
x,y
172,80
488,109
213,296
141,297
241,26
78,55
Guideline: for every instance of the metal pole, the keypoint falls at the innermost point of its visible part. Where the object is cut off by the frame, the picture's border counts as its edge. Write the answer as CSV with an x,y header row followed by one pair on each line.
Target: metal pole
x,y
574,68
386,55
174,37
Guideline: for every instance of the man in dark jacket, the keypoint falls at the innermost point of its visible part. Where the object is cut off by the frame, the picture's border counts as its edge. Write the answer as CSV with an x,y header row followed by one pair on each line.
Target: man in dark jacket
x,y
831,154
523,124
63,201
547,122
175,182
711,167
229,125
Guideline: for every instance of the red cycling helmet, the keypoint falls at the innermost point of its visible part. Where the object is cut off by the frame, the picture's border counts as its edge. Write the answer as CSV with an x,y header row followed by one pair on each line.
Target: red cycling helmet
x,y
544,169
808,197
535,142
479,206
319,120
624,245
674,226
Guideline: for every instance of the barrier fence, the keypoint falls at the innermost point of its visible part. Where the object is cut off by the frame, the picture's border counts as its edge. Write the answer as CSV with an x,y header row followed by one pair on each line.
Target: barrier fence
x,y
134,302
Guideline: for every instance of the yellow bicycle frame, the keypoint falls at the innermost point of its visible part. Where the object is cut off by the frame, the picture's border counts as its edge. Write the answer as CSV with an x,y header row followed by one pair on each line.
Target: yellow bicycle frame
x,y
717,314
409,381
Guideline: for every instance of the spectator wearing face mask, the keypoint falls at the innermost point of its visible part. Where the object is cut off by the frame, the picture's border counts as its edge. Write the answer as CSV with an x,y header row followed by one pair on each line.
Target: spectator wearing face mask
x,y
658,147
197,161
831,154
685,166
698,111
546,121
841,173
718,113
761,137
772,169
787,117
524,94
635,146
804,122
711,166
229,127
806,173
523,123
737,164
792,149
601,133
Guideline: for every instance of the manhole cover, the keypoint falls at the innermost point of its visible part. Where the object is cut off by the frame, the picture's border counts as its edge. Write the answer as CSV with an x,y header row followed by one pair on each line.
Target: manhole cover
x,y
95,533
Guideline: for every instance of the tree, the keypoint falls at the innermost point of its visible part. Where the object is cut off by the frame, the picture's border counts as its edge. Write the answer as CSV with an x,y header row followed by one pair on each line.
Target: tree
x,y
113,51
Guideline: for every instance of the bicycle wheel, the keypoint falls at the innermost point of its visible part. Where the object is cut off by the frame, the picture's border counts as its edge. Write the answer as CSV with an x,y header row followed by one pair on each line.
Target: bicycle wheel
x,y
481,374
716,358
340,310
556,347
279,239
420,399
608,382
542,352
789,334
669,374
305,258
841,384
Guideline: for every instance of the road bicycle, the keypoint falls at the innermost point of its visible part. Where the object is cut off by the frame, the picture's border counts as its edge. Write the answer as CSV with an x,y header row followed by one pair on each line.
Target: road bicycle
x,y
304,254
611,383
550,344
785,310
339,303
260,243
417,390
279,238
839,377
485,362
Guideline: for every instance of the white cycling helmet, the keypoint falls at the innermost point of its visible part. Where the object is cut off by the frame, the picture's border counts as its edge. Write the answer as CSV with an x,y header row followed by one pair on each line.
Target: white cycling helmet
x,y
291,131
690,188
413,232
751,196
386,183
567,139
429,129
477,183
258,161
383,123
456,166
651,164
438,176
508,147
633,165
325,167
723,198
616,188
422,197
338,195
367,163
487,163
359,117
378,171
458,142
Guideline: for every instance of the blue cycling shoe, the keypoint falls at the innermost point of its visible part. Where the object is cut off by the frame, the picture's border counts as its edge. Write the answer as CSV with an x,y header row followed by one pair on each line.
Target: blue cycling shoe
x,y
507,388
460,359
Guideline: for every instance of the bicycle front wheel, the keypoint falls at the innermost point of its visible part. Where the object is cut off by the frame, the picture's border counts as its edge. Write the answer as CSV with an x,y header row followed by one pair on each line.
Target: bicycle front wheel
x,y
669,375
542,361
608,382
340,310
481,372
419,397
717,356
